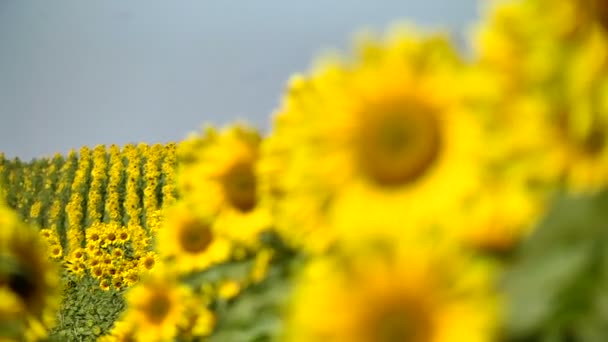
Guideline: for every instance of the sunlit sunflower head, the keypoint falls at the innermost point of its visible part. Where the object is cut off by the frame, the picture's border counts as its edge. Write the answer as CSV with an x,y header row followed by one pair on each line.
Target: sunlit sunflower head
x,y
123,235
131,277
46,233
218,176
109,236
78,254
155,306
26,275
118,253
55,251
97,272
411,294
106,260
148,261
105,284
191,242
94,235
118,282
385,132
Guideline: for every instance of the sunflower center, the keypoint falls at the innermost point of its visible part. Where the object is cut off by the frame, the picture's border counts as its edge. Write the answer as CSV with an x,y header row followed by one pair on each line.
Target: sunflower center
x,y
600,9
158,308
405,322
595,141
399,144
123,236
591,142
22,283
195,237
240,186
149,263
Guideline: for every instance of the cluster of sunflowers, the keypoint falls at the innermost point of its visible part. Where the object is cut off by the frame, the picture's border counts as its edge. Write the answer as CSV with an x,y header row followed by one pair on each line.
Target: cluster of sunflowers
x,y
400,179
388,199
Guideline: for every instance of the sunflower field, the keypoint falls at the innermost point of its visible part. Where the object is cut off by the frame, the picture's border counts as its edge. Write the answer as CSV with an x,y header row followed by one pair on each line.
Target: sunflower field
x,y
407,191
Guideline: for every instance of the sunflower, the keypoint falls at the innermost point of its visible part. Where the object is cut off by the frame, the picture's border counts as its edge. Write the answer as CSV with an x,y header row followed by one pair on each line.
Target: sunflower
x,y
107,260
94,235
78,254
46,233
131,277
28,279
191,242
551,53
110,236
97,272
55,251
148,261
105,284
416,293
384,133
94,262
155,306
123,235
218,176
118,282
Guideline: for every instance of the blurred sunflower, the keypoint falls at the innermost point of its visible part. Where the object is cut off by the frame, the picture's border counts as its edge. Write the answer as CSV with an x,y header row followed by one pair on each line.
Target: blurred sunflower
x,y
551,54
191,242
418,293
121,332
218,177
29,281
385,133
155,306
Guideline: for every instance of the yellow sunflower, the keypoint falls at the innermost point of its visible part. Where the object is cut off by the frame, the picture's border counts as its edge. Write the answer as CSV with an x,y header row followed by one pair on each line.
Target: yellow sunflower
x,y
148,261
105,284
191,242
386,133
218,177
123,235
118,253
109,236
97,272
55,251
118,282
418,293
29,281
155,306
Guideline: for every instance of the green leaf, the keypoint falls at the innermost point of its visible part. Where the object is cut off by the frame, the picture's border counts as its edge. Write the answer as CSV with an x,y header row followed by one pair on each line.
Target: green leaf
x,y
556,285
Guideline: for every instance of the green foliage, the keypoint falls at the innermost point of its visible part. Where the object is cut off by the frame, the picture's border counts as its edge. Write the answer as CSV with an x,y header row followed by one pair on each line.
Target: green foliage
x,y
557,286
87,312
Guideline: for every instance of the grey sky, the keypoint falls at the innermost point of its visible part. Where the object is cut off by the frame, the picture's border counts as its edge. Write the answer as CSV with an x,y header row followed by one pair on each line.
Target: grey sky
x,y
76,72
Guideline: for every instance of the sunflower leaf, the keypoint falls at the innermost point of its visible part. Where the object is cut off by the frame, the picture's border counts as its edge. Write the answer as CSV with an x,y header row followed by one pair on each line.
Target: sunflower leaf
x,y
556,285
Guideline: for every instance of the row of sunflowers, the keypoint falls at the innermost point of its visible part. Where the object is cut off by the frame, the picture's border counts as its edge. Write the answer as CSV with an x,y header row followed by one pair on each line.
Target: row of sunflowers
x,y
406,192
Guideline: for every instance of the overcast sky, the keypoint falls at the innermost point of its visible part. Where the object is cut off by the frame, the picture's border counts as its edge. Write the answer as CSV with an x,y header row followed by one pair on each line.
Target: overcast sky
x,y
76,72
